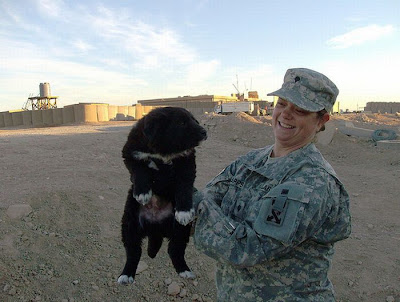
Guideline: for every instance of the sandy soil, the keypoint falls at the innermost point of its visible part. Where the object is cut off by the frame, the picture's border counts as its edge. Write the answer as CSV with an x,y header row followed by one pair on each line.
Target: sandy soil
x,y
65,244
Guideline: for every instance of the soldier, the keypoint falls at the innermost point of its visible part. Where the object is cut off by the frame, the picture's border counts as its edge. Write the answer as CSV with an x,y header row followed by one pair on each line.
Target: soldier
x,y
271,218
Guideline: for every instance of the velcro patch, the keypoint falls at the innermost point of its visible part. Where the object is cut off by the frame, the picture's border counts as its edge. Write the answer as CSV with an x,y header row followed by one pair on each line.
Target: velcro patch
x,y
277,210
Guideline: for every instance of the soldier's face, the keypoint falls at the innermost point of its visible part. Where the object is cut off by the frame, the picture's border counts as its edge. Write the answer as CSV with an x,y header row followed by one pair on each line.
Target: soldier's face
x,y
294,127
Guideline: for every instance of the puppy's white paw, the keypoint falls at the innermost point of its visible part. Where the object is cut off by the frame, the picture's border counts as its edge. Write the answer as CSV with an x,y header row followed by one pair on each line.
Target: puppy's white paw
x,y
143,198
187,275
124,279
184,217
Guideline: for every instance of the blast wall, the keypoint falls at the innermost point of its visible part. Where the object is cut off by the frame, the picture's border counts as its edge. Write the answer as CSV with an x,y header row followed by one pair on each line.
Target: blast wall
x,y
88,113
77,113
383,107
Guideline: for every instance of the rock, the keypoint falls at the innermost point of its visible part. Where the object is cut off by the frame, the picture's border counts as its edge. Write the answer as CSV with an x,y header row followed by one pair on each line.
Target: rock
x,y
12,291
168,281
390,299
196,297
174,289
142,266
183,293
17,211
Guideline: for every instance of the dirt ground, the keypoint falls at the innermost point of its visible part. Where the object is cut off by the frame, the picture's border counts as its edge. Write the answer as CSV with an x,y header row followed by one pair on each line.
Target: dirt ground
x,y
63,243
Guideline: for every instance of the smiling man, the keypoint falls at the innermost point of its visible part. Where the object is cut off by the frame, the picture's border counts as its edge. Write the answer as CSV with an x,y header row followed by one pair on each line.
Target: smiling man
x,y
271,218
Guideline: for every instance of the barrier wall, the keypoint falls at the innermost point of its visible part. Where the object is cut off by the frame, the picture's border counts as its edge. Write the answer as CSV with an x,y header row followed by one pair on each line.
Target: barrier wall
x,y
85,113
27,118
102,113
131,113
57,116
383,107
78,113
16,118
112,112
47,116
68,114
37,118
7,119
122,114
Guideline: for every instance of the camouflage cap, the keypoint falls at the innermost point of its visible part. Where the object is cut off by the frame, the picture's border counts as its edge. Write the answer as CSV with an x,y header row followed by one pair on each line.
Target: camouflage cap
x,y
308,89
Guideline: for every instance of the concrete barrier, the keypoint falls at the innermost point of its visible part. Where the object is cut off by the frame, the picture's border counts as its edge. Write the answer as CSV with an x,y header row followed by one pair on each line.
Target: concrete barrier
x,y
68,114
57,116
389,144
325,137
47,116
349,129
131,113
139,111
122,114
112,112
2,120
85,113
78,113
147,109
102,113
7,119
27,118
37,118
17,118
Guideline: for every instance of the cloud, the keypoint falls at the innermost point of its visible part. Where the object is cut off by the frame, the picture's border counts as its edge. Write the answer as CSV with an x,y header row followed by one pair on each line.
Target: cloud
x,y
360,35
51,8
201,71
149,46
82,45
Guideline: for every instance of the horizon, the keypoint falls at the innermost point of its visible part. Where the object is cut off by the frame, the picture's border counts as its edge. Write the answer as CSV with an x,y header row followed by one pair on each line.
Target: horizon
x,y
119,52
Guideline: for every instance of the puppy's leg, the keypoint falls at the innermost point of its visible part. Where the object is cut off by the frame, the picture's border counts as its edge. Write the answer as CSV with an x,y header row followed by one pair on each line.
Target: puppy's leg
x,y
184,211
132,239
176,250
154,245
186,173
141,179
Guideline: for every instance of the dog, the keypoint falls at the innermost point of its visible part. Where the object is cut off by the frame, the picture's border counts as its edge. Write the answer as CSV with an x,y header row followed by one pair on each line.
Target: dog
x,y
160,157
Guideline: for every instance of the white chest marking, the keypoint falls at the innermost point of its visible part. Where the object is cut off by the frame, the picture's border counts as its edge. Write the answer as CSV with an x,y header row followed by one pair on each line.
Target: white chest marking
x,y
167,159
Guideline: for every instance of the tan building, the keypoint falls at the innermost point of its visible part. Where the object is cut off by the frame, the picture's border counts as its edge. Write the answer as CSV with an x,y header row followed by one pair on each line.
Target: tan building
x,y
195,104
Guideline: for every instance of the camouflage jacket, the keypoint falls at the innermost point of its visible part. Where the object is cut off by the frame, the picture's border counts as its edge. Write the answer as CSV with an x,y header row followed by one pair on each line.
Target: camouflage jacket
x,y
271,224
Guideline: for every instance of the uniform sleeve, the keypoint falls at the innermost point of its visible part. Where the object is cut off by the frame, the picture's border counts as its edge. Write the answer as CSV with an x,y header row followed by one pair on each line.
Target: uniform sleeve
x,y
217,188
288,215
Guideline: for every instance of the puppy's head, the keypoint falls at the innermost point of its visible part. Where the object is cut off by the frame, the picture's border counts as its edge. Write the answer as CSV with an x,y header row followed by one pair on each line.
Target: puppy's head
x,y
172,130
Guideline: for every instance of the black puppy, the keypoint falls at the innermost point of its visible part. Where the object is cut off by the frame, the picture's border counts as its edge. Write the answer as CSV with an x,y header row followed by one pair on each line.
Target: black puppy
x,y
160,157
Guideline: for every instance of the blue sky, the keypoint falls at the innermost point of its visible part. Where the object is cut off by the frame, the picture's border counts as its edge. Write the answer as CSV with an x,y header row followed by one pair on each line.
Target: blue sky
x,y
123,51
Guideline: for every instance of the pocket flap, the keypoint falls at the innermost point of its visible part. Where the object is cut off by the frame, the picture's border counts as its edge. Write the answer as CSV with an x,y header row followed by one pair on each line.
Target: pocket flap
x,y
281,211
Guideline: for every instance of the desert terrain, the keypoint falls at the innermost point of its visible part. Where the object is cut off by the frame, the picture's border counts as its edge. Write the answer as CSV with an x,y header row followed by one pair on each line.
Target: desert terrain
x,y
63,189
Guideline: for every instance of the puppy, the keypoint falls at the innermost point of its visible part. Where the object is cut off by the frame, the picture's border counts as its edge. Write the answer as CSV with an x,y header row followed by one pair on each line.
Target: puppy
x,y
160,157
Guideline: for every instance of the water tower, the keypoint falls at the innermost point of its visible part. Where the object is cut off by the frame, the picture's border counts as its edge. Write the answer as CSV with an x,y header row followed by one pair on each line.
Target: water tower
x,y
44,101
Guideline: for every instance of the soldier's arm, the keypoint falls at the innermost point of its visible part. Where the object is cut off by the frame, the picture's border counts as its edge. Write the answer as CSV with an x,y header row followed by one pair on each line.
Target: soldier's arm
x,y
295,216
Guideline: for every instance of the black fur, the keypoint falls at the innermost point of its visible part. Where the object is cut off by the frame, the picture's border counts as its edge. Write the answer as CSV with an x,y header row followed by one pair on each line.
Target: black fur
x,y
160,157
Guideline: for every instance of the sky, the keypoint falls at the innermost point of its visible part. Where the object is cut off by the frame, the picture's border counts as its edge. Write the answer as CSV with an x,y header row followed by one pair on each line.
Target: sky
x,y
118,52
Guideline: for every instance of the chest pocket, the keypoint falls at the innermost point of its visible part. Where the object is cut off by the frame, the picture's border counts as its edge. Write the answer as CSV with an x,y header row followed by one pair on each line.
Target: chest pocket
x,y
281,211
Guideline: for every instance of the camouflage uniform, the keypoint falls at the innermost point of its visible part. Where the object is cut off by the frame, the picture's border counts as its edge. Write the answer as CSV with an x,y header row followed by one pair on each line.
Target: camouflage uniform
x,y
271,224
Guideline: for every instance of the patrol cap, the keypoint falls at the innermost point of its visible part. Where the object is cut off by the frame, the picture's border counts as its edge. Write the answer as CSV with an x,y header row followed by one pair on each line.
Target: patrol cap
x,y
308,89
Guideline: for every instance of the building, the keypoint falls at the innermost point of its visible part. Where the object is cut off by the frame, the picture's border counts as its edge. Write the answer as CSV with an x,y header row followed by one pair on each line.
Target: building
x,y
195,104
